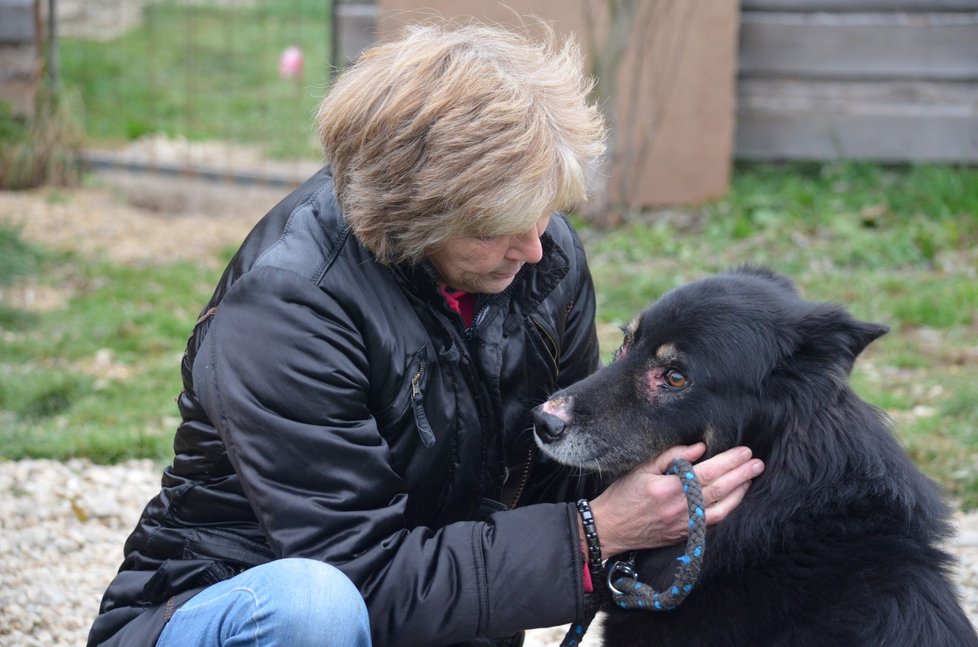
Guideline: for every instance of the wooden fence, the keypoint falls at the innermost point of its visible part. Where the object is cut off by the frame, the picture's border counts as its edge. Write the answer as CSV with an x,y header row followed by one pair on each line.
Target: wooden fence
x,y
889,80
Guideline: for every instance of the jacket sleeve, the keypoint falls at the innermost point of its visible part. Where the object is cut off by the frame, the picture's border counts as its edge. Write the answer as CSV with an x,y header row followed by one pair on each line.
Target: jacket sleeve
x,y
282,375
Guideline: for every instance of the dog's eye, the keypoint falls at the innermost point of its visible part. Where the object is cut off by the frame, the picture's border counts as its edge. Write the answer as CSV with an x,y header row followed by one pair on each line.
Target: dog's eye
x,y
675,379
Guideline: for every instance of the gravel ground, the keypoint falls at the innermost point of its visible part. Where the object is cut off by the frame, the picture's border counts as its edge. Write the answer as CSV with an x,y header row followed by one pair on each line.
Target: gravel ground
x,y
64,524
62,528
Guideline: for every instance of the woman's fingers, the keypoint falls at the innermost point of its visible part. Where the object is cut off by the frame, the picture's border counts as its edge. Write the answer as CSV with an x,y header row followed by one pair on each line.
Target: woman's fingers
x,y
692,452
717,466
724,480
646,508
718,511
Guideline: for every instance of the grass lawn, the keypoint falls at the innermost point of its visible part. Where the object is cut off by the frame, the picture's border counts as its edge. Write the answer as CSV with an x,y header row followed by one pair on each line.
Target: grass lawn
x,y
97,375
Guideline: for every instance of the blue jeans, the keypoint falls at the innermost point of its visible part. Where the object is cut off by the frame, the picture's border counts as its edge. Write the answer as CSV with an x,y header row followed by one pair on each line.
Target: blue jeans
x,y
288,602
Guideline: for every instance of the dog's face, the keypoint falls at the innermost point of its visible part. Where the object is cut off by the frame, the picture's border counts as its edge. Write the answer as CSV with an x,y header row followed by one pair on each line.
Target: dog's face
x,y
712,361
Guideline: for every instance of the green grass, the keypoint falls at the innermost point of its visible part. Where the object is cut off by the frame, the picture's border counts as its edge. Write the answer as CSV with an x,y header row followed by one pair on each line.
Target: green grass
x,y
896,245
18,260
205,73
98,376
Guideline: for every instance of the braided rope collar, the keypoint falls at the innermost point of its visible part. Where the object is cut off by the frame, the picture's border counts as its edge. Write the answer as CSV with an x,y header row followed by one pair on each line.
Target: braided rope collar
x,y
623,584
630,593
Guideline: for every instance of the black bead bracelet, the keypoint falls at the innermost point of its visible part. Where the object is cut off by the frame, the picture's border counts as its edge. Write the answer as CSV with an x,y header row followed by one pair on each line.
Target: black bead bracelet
x,y
591,534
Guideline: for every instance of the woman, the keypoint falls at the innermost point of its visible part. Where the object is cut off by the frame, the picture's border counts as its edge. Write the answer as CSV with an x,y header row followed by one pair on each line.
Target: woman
x,y
355,460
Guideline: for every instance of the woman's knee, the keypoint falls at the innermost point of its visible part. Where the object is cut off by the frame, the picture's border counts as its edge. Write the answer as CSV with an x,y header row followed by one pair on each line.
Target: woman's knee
x,y
312,596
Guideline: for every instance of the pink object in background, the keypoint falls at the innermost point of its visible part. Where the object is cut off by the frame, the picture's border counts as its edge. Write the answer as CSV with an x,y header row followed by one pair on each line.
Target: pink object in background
x,y
290,62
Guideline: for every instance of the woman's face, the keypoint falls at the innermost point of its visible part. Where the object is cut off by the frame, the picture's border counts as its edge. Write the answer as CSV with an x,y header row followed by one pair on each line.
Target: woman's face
x,y
487,265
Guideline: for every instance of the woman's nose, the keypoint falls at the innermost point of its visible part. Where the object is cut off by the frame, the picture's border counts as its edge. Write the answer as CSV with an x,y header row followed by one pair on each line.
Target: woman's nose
x,y
526,247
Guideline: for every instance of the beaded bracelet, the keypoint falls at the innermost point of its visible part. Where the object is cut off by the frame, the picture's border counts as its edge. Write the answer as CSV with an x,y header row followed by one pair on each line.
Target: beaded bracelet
x,y
591,534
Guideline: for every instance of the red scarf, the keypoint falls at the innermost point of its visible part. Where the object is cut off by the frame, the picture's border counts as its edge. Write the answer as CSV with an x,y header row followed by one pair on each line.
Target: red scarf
x,y
461,302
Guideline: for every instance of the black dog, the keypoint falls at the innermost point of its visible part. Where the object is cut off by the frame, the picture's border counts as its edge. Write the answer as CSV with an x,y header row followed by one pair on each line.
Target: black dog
x,y
838,542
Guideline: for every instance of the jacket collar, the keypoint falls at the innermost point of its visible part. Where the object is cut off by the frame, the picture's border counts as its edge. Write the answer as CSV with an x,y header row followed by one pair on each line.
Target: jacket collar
x,y
532,285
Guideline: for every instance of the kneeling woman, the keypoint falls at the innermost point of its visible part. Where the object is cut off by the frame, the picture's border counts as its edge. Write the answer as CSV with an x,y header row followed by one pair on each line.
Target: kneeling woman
x,y
355,461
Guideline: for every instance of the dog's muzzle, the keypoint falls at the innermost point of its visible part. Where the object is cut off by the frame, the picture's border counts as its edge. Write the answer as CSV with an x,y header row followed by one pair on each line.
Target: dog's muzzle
x,y
551,418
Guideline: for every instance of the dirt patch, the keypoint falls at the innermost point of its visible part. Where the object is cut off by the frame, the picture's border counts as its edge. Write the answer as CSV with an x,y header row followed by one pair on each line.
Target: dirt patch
x,y
134,218
30,296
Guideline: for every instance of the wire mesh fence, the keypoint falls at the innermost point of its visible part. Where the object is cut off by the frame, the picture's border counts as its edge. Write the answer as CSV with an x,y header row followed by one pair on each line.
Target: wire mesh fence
x,y
211,88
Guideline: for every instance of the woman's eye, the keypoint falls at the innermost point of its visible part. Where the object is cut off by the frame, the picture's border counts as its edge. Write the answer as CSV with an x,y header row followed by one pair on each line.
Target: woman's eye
x,y
675,379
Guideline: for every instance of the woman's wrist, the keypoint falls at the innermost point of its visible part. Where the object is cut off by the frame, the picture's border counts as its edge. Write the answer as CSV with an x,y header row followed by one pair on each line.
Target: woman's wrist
x,y
610,542
591,543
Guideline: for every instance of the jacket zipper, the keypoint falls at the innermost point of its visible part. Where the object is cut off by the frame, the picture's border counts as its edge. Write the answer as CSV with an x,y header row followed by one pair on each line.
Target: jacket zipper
x,y
480,316
548,342
523,479
417,405
488,415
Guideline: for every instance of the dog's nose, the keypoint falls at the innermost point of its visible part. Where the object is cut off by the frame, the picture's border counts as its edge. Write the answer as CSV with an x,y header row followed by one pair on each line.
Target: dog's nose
x,y
549,427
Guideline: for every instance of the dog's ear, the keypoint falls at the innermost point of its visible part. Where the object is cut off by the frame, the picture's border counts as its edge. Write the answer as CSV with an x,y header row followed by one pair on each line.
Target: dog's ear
x,y
829,334
864,333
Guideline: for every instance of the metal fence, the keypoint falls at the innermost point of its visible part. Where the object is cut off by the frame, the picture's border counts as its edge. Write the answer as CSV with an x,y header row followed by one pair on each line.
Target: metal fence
x,y
228,88
204,88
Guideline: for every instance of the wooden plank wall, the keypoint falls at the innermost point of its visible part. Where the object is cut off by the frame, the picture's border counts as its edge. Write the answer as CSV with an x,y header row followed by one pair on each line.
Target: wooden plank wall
x,y
19,63
888,80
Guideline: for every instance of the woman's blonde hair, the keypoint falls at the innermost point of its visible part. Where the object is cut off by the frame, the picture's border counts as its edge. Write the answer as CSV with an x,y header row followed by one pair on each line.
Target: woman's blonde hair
x,y
464,131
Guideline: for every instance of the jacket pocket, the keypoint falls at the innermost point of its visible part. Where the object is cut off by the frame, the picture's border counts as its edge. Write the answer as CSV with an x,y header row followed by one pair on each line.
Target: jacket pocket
x,y
411,395
227,546
206,556
178,575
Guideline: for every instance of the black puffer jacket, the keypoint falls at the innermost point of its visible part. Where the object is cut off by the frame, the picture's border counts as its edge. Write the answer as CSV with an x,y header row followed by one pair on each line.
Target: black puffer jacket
x,y
336,409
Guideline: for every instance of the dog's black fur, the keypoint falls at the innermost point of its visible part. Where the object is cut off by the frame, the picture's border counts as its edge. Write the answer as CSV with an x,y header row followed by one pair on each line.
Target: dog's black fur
x,y
838,542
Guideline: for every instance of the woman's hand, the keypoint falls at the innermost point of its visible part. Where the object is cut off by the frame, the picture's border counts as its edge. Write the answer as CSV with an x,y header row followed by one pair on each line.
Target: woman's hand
x,y
647,509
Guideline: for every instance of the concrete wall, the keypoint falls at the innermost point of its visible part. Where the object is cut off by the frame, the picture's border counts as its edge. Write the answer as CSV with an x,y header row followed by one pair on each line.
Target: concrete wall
x,y
680,72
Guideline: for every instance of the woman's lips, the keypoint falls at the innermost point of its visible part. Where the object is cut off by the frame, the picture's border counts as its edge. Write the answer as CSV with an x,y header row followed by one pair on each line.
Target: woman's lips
x,y
508,274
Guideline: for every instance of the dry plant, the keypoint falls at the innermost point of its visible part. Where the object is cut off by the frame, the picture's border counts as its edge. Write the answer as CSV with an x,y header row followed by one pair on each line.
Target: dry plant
x,y
47,151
